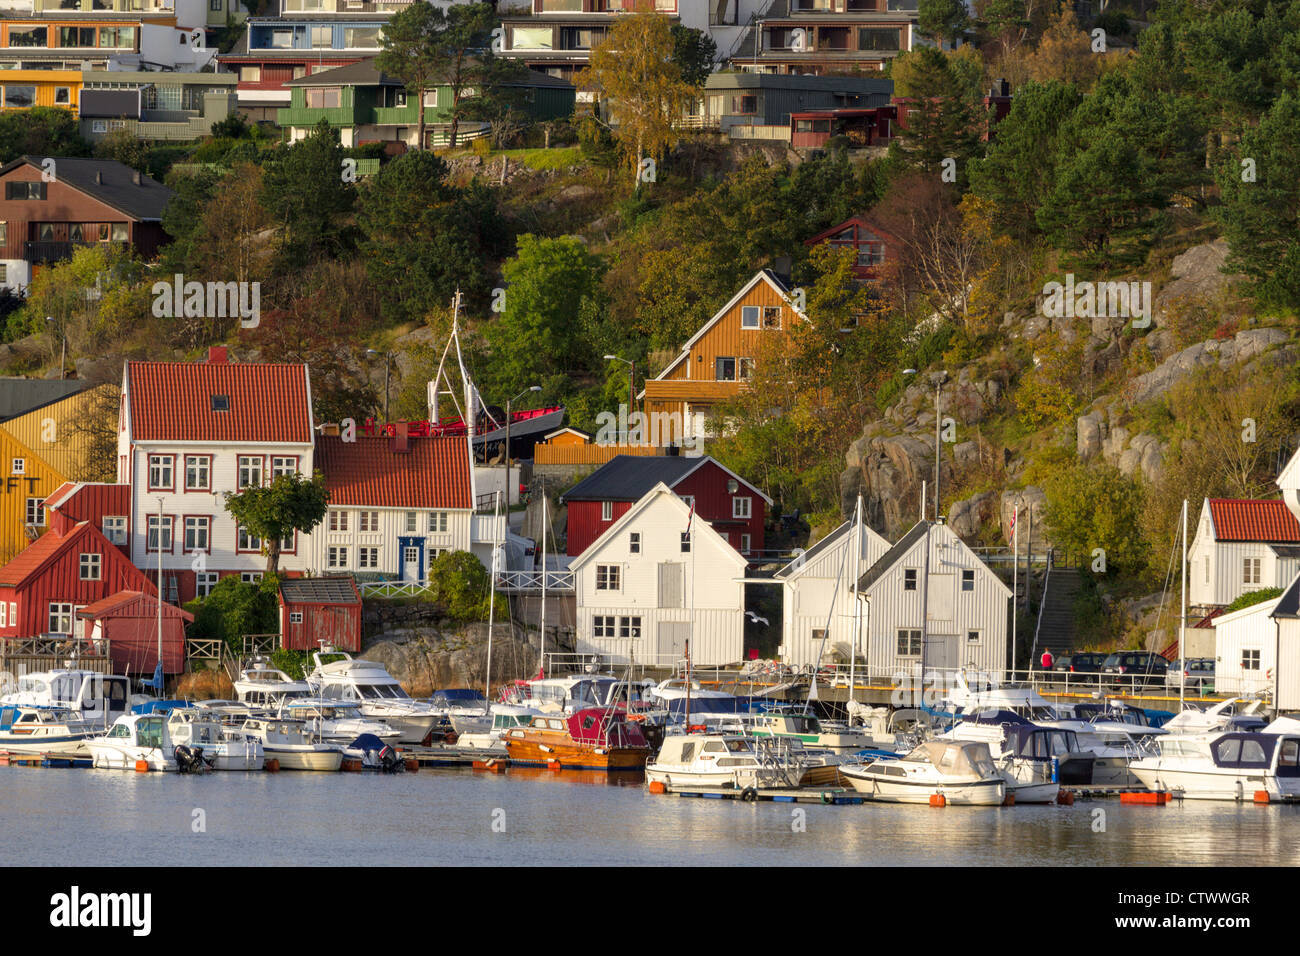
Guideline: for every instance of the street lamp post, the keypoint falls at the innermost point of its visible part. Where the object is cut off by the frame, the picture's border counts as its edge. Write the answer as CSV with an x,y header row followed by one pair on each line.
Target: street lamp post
x,y
631,388
505,453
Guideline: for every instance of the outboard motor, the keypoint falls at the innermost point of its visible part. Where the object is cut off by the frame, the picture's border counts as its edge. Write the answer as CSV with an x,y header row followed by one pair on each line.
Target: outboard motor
x,y
189,759
390,761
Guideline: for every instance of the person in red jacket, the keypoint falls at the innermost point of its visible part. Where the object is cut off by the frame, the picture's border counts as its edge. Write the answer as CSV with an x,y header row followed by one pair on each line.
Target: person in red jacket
x,y
1048,660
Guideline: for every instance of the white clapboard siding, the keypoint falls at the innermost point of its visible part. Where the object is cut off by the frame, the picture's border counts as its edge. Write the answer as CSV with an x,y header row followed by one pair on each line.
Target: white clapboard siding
x,y
817,594
706,592
1251,628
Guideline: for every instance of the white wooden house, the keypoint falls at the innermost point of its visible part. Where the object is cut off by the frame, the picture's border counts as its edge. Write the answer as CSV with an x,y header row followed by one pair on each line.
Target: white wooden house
x,y
188,433
1245,649
647,585
1288,482
965,607
1241,545
817,594
396,503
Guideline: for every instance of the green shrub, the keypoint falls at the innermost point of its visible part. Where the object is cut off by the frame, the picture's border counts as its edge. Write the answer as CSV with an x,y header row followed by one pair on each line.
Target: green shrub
x,y
459,583
234,609
1251,598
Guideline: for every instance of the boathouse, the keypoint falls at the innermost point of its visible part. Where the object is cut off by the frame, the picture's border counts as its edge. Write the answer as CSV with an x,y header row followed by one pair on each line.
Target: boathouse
x,y
129,622
320,611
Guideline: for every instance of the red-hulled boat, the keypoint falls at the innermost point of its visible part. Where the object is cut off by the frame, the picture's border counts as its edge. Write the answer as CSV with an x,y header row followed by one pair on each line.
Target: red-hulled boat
x,y
591,739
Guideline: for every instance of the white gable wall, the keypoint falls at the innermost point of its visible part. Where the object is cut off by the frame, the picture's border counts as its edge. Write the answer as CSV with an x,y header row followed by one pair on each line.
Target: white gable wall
x,y
712,596
1250,629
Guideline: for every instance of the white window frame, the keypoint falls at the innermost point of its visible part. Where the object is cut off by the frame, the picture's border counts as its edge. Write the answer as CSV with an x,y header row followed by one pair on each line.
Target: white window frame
x,y
437,522
634,542
968,576
1250,570
742,507
1250,658
913,638
59,613
90,566
910,584
204,582
629,628
36,512
411,522
751,311
604,626
338,520
196,522
609,577
18,466
202,465
607,511
246,466
295,617
336,556
368,558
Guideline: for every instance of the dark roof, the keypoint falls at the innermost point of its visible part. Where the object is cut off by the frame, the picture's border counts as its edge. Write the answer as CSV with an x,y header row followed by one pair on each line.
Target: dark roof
x,y
855,85
142,201
1288,605
366,73
629,477
1285,551
335,589
114,104
891,557
18,396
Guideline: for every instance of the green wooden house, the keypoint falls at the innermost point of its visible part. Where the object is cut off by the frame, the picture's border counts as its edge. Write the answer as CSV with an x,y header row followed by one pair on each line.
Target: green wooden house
x,y
369,106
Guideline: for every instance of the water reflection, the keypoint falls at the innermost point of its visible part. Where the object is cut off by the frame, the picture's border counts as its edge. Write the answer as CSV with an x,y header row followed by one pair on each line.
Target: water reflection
x,y
56,817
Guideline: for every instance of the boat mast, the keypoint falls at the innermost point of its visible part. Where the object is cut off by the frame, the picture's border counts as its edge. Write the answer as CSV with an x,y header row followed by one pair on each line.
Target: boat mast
x,y
542,656
1182,622
492,597
158,670
857,607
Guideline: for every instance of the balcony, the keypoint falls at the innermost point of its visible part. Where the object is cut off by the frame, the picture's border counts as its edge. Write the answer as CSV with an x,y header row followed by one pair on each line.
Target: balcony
x,y
45,253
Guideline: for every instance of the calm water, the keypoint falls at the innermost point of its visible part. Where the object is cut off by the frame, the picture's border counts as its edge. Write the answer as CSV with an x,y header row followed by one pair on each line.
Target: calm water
x,y
102,817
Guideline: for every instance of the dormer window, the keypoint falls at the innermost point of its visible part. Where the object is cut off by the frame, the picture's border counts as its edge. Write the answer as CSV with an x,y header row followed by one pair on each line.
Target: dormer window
x,y
221,403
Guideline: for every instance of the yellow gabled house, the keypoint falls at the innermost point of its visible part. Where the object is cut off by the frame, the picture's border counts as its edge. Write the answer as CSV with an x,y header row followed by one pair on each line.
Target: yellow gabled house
x,y
50,431
25,482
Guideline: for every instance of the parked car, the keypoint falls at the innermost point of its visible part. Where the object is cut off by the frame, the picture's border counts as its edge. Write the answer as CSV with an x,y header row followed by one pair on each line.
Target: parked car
x,y
1136,667
1085,663
1196,675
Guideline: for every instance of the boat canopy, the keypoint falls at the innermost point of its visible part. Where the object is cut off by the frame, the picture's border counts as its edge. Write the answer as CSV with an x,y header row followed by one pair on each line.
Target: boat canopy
x,y
959,758
1244,750
605,728
712,705
996,716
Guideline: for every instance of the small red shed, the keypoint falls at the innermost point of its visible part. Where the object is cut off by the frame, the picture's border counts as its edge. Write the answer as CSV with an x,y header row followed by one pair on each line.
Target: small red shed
x,y
322,610
129,620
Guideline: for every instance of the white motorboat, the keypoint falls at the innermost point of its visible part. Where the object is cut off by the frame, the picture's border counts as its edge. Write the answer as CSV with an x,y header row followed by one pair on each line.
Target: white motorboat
x,y
461,709
100,698
1033,760
1235,713
220,746
677,688
809,729
290,742
727,760
30,729
961,771
134,739
336,721
505,717
1231,766
375,691
262,685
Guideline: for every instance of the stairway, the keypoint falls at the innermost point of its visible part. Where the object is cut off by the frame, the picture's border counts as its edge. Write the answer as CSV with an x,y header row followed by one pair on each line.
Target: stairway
x,y
1056,632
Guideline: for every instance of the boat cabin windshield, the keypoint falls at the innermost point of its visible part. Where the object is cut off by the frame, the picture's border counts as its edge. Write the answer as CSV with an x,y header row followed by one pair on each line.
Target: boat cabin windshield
x,y
381,691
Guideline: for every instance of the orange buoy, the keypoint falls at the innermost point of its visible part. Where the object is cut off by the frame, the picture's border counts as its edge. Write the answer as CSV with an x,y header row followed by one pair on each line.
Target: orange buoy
x,y
554,765
1157,798
657,786
351,764
1262,796
272,765
938,800
142,766
1009,800
1065,798
412,765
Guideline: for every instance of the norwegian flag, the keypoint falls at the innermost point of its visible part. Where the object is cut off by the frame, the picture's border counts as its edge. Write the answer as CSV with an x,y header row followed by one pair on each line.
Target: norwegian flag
x,y
690,518
1014,515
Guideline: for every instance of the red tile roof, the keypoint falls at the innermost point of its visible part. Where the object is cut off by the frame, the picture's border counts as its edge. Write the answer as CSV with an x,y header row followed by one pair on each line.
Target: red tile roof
x,y
1245,519
172,401
368,472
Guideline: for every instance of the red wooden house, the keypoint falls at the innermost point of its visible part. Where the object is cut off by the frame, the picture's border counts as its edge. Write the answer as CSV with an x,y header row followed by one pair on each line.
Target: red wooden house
x,y
732,506
103,505
873,246
128,620
70,567
318,611
53,204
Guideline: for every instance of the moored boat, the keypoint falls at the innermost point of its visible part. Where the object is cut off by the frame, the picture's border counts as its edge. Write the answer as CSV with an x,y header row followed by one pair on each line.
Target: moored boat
x,y
134,739
380,697
809,729
290,743
590,739
962,772
32,729
1231,766
727,760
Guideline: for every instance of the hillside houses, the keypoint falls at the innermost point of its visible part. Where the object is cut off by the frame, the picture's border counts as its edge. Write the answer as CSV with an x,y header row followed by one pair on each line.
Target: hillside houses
x,y
1241,545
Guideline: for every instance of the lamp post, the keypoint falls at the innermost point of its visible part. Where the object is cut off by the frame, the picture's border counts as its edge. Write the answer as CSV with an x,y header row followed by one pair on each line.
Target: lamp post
x,y
631,388
388,363
63,354
505,454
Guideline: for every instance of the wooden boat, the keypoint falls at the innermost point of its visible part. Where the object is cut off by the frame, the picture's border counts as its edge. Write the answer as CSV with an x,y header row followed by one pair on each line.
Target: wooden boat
x,y
590,739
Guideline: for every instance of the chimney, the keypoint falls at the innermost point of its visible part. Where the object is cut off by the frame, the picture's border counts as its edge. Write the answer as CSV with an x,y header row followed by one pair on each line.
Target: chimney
x,y
135,178
401,439
217,355
99,177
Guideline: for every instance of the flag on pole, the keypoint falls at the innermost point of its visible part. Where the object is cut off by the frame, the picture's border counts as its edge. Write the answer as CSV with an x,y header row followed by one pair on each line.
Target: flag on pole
x,y
1014,514
691,517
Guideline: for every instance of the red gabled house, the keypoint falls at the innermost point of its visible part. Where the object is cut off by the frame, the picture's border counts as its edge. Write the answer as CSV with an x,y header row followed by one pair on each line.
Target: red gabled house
x,y
732,506
875,248
129,622
105,506
68,568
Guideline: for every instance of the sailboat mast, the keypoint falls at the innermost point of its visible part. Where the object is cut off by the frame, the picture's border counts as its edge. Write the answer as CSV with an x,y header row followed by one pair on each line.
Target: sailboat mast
x,y
158,671
1182,621
857,609
544,523
492,595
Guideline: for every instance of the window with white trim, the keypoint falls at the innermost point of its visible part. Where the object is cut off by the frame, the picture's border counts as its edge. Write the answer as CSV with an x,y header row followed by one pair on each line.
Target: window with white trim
x,y
909,643
968,580
337,557
1250,570
36,512
1250,659
745,544
368,558
4,614
634,542
250,577
90,567
686,542
369,521
742,507
60,619
18,466
159,525
629,627
197,533
437,522
160,471
909,579
338,521
204,582
198,475
972,637
410,522
295,617
749,315
247,542
607,511
250,471
283,465
602,626
608,577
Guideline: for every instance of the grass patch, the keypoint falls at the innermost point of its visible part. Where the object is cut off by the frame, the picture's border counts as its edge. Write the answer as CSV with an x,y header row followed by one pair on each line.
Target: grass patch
x,y
544,159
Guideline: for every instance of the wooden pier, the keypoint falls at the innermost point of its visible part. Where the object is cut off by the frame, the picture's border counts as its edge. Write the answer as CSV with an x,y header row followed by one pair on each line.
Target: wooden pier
x,y
51,759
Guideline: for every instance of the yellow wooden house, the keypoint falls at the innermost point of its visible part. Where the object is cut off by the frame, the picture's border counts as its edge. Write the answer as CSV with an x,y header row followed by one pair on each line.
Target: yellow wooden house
x,y
718,360
23,89
25,482
49,431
